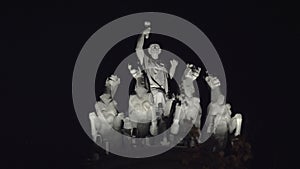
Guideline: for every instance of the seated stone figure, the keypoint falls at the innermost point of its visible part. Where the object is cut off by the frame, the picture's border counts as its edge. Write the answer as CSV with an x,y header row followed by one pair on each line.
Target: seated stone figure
x,y
219,117
106,116
141,107
188,111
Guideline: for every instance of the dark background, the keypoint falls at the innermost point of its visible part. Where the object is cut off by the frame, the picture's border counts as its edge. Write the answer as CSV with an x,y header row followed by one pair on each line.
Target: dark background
x,y
257,43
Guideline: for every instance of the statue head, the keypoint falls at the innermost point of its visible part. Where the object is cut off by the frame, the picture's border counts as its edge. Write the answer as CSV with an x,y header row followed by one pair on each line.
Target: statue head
x,y
188,87
212,81
141,86
154,50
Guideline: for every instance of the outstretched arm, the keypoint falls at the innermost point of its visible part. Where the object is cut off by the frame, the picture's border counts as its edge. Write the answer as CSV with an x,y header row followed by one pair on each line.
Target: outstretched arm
x,y
114,84
140,43
214,84
174,64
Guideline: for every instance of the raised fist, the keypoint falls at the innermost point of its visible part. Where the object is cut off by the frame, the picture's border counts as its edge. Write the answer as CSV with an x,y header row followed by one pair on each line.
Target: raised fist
x,y
174,63
135,73
113,81
212,81
147,23
192,71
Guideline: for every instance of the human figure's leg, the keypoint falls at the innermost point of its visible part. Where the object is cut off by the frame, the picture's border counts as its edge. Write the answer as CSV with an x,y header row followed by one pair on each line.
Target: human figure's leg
x,y
236,124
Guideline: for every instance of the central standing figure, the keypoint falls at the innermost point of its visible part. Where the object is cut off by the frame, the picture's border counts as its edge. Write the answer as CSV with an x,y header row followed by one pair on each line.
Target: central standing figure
x,y
155,70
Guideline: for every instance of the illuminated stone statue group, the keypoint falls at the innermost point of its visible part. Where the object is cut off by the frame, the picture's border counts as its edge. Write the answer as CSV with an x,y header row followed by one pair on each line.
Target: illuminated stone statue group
x,y
152,109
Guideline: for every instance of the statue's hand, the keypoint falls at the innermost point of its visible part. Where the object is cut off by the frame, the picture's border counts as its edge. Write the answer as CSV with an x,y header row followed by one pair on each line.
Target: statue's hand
x,y
135,73
129,67
174,63
114,80
212,81
193,71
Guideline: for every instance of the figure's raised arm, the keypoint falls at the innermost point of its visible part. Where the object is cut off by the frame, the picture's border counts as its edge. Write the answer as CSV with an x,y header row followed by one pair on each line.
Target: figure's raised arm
x,y
174,64
140,43
214,84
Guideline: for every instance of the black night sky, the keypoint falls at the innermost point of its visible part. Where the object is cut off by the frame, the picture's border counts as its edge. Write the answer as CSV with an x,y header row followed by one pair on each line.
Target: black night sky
x,y
257,43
